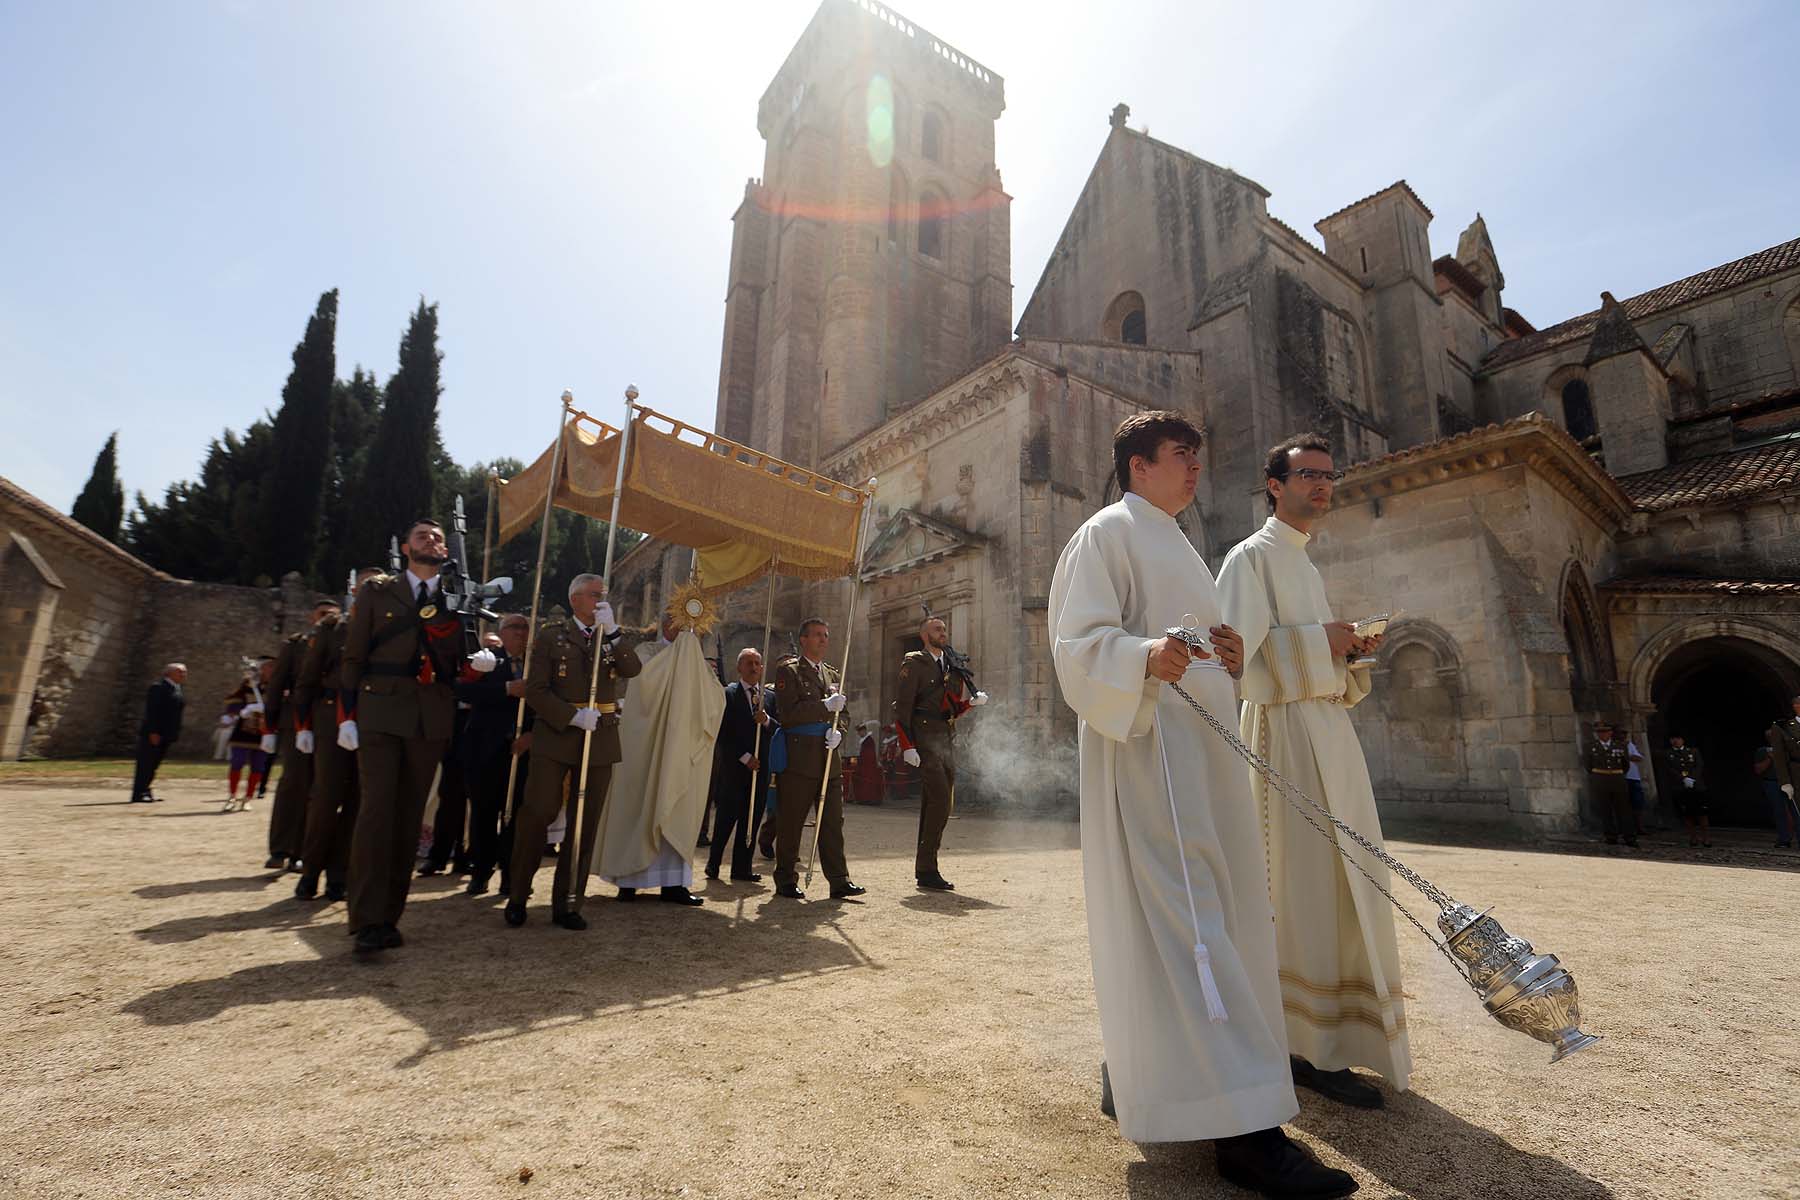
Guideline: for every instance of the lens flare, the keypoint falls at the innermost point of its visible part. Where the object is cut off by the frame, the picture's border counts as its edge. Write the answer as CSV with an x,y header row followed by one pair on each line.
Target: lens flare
x,y
880,108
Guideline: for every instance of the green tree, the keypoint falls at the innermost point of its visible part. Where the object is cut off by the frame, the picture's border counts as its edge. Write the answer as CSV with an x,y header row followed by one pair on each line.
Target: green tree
x,y
355,410
396,484
208,529
293,495
101,505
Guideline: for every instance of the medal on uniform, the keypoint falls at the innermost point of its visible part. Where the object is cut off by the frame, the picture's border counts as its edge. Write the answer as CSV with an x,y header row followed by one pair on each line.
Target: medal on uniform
x,y
428,612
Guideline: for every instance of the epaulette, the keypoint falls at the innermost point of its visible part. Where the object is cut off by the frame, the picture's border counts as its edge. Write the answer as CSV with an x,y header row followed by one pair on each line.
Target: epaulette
x,y
787,660
376,581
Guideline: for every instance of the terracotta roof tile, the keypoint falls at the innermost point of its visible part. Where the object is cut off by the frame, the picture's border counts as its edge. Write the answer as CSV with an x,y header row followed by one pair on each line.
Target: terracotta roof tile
x,y
1461,276
1717,478
1785,257
1727,587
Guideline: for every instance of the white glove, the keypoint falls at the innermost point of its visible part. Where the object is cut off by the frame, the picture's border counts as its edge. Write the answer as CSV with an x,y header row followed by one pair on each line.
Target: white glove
x,y
603,617
835,702
910,757
483,661
251,708
979,700
228,719
1687,783
832,738
347,739
746,759
267,745
1787,789
585,719
303,741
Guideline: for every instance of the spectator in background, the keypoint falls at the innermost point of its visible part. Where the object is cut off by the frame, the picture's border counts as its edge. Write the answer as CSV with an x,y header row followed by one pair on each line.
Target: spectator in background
x,y
159,729
1784,744
251,741
1780,807
1634,783
1689,770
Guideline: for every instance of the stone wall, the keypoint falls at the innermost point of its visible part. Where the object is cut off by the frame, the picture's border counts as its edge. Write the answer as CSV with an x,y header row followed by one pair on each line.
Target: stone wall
x,y
115,622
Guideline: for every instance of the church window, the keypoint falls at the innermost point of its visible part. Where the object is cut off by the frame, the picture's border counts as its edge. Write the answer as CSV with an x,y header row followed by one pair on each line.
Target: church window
x,y
932,209
1125,321
1578,410
931,137
1364,251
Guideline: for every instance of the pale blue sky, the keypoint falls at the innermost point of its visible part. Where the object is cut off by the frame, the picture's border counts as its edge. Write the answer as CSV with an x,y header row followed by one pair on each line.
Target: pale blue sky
x,y
183,178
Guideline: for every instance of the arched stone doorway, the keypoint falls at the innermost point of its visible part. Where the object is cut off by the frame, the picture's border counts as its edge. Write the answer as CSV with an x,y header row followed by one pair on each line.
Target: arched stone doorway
x,y
1721,693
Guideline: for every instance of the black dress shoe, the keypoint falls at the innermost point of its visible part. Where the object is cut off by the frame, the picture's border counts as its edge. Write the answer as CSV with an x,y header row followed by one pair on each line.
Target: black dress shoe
x,y
430,868
1343,1086
712,872
334,892
142,800
788,891
293,864
626,895
369,940
515,913
275,863
306,887
1106,1099
391,938
841,890
1268,1163
746,877
569,920
767,851
936,883
680,895
478,885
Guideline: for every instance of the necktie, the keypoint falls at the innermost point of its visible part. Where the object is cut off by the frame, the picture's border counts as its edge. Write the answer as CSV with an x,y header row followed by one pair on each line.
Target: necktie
x,y
424,594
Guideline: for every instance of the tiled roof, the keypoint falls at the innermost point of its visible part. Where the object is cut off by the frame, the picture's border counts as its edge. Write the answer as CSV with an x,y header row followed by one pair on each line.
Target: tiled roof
x,y
1717,478
1725,587
1398,183
1428,448
1775,259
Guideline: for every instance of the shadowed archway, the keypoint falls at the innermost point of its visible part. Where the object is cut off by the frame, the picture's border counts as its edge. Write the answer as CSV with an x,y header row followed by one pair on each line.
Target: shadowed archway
x,y
1721,693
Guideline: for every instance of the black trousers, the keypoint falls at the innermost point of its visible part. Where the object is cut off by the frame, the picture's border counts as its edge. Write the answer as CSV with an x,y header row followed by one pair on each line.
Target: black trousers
x,y
490,838
735,816
453,801
148,759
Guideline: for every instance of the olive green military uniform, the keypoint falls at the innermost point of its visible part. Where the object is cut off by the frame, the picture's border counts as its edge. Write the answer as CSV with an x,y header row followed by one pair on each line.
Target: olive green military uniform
x,y
287,816
332,803
1690,797
800,691
1784,740
403,725
922,710
556,686
1606,766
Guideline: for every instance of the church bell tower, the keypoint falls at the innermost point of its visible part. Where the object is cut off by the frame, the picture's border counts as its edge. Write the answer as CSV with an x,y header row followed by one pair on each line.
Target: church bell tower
x,y
872,262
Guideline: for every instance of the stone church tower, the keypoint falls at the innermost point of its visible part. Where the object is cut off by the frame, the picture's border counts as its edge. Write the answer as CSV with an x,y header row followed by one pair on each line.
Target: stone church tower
x,y
872,261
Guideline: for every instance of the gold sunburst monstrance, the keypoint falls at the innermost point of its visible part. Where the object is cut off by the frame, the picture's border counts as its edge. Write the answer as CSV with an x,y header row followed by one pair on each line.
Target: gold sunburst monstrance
x,y
689,608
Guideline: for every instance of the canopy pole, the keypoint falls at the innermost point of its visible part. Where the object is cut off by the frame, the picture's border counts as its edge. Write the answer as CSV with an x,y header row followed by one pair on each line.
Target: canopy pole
x,y
537,594
579,877
752,821
487,537
862,537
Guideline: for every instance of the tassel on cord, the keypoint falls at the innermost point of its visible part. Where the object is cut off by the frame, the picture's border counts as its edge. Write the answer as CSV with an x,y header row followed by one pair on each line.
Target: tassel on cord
x,y
1209,987
1215,1003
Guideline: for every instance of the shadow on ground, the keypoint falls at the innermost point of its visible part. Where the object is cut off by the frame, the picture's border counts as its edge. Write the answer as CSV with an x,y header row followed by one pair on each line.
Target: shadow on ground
x,y
633,957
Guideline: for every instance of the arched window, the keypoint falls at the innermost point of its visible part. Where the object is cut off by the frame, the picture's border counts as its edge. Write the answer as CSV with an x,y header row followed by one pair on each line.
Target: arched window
x,y
1578,410
896,216
1124,320
932,216
931,137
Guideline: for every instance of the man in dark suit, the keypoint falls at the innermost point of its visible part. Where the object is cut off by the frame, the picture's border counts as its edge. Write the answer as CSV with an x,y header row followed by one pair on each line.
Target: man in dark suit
x,y
489,744
159,729
742,748
402,654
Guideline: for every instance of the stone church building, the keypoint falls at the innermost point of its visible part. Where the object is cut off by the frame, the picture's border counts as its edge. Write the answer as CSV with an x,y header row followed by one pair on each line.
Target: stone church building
x,y
1599,516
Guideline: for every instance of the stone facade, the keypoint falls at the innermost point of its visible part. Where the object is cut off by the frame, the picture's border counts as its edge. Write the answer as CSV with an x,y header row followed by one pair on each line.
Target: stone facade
x,y
89,627
1600,516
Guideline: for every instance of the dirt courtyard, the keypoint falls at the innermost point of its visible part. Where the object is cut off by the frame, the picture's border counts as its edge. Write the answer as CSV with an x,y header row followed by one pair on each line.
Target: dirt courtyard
x,y
177,1024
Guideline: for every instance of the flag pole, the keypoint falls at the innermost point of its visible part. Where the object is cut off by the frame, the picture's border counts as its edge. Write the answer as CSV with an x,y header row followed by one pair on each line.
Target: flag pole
x,y
750,822
537,595
862,538
579,885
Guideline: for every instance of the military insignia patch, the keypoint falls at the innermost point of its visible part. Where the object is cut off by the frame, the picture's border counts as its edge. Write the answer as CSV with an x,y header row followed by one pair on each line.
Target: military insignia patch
x,y
428,612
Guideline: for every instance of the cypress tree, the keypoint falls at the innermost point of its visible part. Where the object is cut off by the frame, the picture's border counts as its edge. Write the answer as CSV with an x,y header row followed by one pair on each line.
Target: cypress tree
x,y
397,478
101,505
293,492
355,411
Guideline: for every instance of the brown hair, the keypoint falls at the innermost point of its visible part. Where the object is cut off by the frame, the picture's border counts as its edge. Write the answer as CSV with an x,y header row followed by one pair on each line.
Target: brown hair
x,y
1144,433
1277,465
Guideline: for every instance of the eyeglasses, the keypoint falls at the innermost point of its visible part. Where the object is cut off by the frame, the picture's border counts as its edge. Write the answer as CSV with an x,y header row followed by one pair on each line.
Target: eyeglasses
x,y
1314,475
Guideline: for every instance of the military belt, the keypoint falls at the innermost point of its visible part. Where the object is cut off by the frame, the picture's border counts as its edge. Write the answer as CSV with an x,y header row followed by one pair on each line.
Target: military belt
x,y
605,706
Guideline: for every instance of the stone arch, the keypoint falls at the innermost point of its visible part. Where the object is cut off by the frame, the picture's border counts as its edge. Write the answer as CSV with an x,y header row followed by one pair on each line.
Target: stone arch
x,y
933,224
1657,648
1569,400
1125,319
1420,693
1591,667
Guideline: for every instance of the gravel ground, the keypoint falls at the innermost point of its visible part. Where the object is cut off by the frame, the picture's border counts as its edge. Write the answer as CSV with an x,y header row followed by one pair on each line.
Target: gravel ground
x,y
178,1025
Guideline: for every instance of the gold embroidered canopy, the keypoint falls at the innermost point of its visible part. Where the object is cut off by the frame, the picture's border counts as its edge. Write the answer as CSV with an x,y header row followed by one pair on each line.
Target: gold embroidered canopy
x,y
741,510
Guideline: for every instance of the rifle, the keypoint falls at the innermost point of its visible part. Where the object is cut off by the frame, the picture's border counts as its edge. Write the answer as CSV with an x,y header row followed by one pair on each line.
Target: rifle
x,y
463,596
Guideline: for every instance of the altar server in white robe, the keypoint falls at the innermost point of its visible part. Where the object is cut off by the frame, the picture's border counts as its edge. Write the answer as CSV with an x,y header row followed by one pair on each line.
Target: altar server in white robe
x,y
1179,923
1334,932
